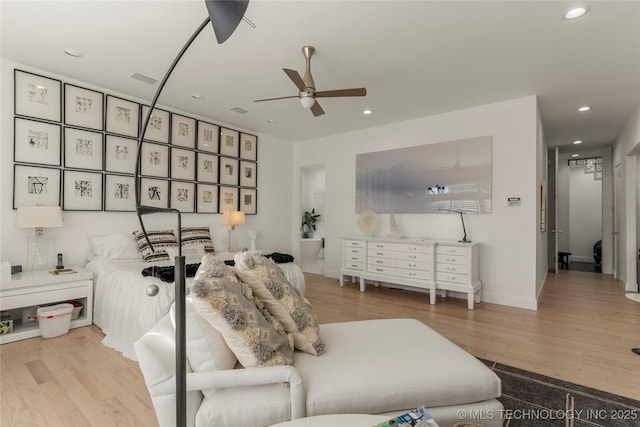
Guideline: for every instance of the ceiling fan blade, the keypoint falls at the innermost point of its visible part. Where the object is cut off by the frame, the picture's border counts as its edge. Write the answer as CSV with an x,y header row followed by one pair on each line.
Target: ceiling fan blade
x,y
273,99
340,92
296,79
317,110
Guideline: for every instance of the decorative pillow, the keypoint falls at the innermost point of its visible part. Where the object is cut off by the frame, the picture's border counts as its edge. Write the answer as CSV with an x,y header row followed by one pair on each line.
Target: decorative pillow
x,y
192,253
161,240
114,246
206,349
230,307
196,236
281,299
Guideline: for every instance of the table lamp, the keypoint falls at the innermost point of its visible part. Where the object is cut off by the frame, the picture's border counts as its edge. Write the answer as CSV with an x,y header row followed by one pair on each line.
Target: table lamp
x,y
38,217
233,218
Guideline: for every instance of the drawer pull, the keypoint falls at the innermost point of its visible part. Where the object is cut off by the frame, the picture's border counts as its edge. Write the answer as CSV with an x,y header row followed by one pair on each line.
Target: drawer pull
x,y
451,268
451,250
379,269
412,265
354,265
412,274
412,257
354,258
451,259
379,246
379,253
412,248
379,261
451,277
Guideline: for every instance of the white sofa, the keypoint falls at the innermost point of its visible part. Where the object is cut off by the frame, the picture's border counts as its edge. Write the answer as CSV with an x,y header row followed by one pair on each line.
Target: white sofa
x,y
385,366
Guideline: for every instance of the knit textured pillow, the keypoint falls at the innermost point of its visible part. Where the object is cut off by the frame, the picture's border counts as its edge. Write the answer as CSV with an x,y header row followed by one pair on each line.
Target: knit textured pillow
x,y
160,239
282,299
252,334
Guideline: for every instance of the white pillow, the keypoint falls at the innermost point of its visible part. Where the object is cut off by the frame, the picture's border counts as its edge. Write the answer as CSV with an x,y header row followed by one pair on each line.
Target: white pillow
x,y
114,246
192,253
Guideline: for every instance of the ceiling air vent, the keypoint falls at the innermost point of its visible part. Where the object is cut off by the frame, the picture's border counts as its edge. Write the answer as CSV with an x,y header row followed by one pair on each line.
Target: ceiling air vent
x,y
143,78
238,110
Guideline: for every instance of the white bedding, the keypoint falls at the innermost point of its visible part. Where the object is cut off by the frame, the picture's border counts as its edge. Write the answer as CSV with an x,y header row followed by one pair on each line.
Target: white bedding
x,y
124,311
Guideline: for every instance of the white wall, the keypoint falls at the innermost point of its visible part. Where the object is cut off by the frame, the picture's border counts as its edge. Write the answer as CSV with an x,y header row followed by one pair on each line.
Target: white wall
x,y
508,235
274,195
626,148
585,214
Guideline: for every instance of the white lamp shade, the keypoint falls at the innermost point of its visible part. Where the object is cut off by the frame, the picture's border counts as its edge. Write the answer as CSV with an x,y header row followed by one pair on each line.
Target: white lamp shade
x,y
307,101
233,217
39,217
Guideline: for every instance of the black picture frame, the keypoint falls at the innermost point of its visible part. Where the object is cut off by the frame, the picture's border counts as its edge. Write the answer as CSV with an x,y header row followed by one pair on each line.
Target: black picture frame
x,y
248,201
119,193
37,142
82,190
37,96
83,107
122,117
36,185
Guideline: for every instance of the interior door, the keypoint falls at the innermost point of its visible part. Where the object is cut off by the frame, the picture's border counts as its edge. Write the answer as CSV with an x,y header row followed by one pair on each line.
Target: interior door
x,y
552,207
617,183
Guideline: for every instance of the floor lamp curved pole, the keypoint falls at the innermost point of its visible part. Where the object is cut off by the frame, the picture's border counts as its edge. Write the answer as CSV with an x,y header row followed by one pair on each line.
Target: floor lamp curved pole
x,y
224,15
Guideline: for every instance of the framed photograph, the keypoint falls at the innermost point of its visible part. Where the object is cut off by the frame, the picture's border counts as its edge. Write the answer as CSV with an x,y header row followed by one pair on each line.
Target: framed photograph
x,y
183,196
35,186
248,174
207,198
122,117
119,193
37,96
82,191
183,164
154,160
158,128
208,137
249,201
82,149
248,147
120,154
183,131
229,142
83,107
36,142
207,169
228,200
154,192
228,171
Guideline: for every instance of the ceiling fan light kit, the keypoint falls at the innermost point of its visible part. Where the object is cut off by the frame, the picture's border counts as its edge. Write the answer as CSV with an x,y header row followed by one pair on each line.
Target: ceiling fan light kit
x,y
307,89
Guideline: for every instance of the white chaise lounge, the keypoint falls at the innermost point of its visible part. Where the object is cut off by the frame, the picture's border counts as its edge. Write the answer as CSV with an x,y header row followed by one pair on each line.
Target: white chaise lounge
x,y
385,366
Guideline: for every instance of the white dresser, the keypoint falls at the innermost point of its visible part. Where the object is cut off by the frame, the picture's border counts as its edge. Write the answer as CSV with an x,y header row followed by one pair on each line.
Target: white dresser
x,y
423,264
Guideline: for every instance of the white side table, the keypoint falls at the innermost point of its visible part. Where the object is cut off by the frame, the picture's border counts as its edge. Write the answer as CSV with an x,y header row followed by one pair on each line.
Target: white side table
x,y
351,420
35,288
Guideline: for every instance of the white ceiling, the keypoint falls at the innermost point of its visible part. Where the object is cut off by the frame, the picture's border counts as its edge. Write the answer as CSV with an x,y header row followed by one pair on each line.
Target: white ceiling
x,y
416,58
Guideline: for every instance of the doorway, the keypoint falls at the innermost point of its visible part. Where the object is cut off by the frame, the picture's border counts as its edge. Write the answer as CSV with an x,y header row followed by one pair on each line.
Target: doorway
x,y
313,183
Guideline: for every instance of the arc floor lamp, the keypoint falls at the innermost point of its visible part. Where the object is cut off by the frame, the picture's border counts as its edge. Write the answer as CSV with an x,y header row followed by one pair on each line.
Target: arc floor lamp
x,y
224,16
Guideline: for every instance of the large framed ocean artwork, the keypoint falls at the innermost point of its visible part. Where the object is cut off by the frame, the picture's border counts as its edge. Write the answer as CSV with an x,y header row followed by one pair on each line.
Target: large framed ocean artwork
x,y
430,178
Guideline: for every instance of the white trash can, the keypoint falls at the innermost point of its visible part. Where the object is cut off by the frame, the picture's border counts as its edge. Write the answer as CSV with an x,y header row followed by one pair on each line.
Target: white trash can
x,y
55,320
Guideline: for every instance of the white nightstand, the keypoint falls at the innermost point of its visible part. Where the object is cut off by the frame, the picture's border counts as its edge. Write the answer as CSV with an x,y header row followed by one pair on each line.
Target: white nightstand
x,y
36,288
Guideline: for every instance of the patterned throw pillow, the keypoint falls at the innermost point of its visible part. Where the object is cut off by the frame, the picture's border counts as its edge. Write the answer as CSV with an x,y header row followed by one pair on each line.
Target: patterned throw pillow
x,y
160,239
283,300
254,336
196,236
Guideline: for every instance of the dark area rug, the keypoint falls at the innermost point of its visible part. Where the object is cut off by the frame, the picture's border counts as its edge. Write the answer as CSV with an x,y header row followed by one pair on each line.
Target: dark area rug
x,y
531,399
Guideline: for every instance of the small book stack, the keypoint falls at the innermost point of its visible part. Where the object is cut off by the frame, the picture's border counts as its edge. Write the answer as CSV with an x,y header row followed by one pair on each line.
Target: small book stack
x,y
418,418
63,271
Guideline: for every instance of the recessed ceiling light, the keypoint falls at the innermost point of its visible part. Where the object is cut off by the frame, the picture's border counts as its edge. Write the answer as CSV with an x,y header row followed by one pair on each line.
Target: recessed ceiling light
x,y
73,52
271,121
575,155
143,78
197,96
585,108
577,142
576,12
367,112
238,110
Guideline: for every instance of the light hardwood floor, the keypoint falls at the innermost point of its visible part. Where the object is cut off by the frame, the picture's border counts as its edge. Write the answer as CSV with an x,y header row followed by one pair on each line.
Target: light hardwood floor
x,y
583,332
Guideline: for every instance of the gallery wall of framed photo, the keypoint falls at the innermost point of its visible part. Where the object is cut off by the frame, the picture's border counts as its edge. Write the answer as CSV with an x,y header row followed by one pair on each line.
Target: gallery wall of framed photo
x,y
77,148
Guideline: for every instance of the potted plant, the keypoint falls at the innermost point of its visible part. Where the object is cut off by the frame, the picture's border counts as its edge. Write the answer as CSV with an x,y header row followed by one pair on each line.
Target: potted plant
x,y
309,220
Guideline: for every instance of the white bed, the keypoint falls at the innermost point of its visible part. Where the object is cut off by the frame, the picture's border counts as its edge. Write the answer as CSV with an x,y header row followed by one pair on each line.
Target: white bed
x,y
124,311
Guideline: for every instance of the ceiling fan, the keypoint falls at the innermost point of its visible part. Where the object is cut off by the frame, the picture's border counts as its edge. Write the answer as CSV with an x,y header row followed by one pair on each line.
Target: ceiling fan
x,y
307,87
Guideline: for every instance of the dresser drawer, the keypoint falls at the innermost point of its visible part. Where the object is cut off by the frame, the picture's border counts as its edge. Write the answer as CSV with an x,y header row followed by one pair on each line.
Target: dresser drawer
x,y
451,268
381,253
451,250
451,259
414,265
400,272
382,246
451,277
387,262
354,243
354,254
413,256
414,248
354,265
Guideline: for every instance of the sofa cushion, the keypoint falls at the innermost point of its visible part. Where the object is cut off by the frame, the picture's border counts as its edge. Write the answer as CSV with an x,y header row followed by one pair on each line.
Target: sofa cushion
x,y
383,365
282,299
229,306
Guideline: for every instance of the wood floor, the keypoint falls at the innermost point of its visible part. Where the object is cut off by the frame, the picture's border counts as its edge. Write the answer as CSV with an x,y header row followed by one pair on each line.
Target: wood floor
x,y
583,332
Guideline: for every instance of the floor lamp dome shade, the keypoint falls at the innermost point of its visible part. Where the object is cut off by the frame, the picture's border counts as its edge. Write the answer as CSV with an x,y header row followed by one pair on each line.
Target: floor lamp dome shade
x,y
225,16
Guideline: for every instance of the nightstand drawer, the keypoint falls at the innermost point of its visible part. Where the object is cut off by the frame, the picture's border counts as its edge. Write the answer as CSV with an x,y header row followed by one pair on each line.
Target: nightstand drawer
x,y
451,259
451,250
37,296
352,265
451,277
451,268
